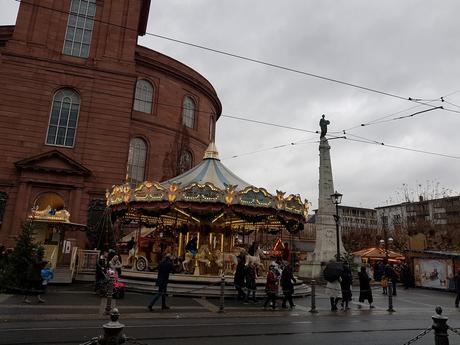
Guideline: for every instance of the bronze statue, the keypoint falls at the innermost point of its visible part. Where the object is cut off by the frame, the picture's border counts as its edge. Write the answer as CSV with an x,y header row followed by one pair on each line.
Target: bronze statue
x,y
323,124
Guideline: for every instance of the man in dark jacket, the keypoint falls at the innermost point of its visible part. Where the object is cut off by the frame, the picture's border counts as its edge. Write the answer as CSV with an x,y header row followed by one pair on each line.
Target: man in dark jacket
x,y
457,288
392,276
164,269
287,280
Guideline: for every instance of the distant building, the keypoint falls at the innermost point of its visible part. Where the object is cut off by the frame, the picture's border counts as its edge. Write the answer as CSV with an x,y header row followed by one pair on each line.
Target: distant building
x,y
430,224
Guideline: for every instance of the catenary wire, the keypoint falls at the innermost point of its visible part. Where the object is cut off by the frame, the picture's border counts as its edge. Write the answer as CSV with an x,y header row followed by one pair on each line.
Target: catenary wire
x,y
368,141
241,57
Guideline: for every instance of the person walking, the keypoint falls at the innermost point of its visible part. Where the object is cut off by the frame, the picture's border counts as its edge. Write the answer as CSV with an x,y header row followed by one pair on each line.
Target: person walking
x,y
345,285
164,269
238,279
47,274
384,284
457,288
35,281
115,264
392,276
250,278
365,292
406,276
334,291
271,288
287,280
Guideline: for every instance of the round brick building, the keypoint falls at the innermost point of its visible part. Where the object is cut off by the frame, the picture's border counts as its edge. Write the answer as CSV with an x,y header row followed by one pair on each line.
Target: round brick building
x,y
83,107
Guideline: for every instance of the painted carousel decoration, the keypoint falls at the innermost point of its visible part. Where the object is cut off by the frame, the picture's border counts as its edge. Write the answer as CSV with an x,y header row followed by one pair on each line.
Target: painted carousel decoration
x,y
201,216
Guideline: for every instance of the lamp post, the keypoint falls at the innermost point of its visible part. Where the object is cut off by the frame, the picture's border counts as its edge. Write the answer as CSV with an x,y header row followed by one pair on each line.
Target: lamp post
x,y
386,240
336,200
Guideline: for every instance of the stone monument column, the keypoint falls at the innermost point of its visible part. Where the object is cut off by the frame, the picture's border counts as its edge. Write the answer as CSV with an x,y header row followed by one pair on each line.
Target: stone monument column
x,y
326,246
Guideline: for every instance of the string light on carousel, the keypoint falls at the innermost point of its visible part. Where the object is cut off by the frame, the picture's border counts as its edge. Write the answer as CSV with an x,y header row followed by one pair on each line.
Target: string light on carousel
x,y
207,206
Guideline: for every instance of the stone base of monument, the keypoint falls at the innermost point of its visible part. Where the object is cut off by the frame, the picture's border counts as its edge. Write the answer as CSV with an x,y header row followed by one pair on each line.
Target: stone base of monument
x,y
309,270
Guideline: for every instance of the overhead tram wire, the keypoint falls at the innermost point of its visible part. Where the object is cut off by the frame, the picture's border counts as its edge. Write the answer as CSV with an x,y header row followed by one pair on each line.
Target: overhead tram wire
x,y
241,57
440,99
367,141
295,143
374,142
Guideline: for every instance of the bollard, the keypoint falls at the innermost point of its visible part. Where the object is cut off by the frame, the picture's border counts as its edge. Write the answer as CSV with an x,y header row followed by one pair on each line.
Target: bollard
x,y
440,327
108,306
113,330
390,299
222,292
313,296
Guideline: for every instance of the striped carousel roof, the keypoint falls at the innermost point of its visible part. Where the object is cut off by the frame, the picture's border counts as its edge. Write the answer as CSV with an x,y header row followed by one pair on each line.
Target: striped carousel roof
x,y
210,170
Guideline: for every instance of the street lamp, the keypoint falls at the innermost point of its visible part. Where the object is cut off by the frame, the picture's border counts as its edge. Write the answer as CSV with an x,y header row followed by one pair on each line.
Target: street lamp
x,y
337,199
385,242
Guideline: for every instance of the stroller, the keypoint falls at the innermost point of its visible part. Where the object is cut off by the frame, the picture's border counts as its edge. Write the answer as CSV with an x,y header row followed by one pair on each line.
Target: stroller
x,y
118,286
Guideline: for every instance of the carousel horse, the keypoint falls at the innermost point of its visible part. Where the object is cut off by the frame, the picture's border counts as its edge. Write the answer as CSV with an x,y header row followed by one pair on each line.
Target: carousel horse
x,y
256,259
226,261
201,257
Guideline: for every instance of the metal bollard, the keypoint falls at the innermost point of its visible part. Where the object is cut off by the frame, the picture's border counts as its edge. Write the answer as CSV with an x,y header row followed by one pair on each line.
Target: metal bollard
x,y
390,299
440,327
108,306
113,330
222,292
313,296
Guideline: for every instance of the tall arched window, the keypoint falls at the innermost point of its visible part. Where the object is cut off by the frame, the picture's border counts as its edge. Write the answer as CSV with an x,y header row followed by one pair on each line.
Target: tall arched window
x,y
185,162
80,28
188,112
63,119
143,97
135,171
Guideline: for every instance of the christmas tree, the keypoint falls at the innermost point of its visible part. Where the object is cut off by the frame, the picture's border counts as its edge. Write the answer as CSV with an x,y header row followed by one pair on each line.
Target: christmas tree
x,y
24,254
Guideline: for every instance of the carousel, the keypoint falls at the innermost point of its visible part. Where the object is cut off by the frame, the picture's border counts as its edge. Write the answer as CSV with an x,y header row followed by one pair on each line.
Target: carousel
x,y
205,218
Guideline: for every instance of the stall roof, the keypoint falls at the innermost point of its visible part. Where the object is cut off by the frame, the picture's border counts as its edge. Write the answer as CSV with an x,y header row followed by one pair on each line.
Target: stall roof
x,y
436,253
376,252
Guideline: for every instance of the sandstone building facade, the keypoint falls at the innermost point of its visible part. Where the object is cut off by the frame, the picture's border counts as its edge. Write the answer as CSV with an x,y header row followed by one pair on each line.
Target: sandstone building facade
x,y
84,107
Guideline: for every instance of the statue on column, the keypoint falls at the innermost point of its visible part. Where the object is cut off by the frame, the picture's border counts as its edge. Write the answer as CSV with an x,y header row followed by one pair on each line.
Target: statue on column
x,y
323,124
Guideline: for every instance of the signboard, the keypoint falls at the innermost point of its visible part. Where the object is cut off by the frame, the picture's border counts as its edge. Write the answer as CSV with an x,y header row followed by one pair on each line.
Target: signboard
x,y
433,273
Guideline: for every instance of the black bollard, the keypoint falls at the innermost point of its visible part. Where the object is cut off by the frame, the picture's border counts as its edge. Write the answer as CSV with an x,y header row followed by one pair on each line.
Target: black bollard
x,y
113,330
440,328
390,299
313,296
222,293
108,306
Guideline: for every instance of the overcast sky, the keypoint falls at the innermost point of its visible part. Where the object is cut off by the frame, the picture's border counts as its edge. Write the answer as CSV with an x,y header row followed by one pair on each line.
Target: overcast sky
x,y
406,48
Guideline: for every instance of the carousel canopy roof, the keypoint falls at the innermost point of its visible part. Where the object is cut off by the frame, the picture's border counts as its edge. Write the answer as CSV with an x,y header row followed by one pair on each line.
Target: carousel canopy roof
x,y
210,170
208,193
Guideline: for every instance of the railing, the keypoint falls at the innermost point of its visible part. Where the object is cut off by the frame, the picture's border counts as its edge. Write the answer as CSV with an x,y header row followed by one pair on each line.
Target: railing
x,y
86,262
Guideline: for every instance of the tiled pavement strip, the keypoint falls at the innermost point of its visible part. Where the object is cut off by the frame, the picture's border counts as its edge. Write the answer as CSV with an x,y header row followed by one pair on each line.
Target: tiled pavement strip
x,y
79,302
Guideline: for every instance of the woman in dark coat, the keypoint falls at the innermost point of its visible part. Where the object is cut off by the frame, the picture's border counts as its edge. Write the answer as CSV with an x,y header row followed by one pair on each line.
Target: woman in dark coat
x,y
287,280
238,280
251,286
365,292
345,285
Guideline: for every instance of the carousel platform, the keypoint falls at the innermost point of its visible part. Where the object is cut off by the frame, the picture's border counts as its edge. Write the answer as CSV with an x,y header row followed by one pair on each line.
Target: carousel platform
x,y
196,286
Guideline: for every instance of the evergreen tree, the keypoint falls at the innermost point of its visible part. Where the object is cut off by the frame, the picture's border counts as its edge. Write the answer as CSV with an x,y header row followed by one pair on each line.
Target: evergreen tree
x,y
24,254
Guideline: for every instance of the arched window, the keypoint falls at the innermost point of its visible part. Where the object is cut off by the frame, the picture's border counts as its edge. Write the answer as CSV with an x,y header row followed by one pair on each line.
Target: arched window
x,y
188,112
185,162
63,119
136,161
79,28
143,97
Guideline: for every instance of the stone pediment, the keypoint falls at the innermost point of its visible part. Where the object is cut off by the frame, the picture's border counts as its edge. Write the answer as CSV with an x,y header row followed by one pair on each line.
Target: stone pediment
x,y
53,161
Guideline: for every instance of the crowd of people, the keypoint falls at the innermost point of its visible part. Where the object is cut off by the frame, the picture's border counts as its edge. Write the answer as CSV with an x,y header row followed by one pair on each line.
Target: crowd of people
x,y
279,277
339,289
